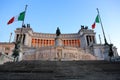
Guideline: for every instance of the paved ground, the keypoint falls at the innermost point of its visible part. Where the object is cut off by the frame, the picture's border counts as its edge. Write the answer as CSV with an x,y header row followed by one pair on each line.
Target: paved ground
x,y
60,70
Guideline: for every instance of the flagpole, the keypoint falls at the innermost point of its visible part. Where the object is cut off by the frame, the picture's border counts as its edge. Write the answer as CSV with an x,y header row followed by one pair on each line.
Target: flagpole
x,y
100,39
21,35
25,13
102,27
10,37
17,48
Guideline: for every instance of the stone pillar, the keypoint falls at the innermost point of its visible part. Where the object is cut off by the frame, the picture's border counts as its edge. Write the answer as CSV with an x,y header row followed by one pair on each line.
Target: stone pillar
x,y
89,39
93,39
33,42
16,37
70,42
50,42
22,38
74,43
27,40
65,42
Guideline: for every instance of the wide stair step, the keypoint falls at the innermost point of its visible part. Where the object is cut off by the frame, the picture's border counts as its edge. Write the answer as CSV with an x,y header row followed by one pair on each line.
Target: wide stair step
x,y
60,70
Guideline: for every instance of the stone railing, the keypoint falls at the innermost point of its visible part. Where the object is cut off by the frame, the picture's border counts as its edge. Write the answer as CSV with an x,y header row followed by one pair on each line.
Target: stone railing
x,y
5,58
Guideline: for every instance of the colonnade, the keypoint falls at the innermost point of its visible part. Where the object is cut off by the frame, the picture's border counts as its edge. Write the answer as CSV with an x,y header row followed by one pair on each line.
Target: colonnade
x,y
42,42
22,37
50,42
90,39
72,42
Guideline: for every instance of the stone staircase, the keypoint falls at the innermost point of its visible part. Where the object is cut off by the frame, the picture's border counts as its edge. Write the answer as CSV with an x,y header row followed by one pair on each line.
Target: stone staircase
x,y
60,70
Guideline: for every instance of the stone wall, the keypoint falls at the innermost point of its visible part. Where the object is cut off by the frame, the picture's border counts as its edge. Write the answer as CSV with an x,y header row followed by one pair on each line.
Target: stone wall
x,y
58,53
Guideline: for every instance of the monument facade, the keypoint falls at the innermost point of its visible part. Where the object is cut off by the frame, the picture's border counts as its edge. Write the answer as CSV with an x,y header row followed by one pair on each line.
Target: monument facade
x,y
50,46
81,45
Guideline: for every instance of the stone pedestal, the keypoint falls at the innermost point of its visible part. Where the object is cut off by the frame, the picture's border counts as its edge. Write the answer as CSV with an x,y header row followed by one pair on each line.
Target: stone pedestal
x,y
58,41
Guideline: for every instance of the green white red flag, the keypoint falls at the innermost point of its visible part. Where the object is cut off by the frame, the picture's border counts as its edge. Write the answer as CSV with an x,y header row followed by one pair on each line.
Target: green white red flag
x,y
19,17
97,20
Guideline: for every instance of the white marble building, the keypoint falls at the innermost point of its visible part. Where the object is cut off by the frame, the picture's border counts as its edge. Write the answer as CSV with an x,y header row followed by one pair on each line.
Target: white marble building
x,y
81,45
74,46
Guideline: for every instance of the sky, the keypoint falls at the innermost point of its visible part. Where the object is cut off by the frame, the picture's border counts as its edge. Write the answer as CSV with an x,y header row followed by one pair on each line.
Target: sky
x,y
46,15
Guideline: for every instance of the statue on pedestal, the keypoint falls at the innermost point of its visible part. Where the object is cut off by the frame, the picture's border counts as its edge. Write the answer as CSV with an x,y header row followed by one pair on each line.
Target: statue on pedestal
x,y
58,44
58,40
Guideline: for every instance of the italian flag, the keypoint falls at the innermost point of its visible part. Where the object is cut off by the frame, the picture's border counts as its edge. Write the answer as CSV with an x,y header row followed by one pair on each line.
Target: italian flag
x,y
19,17
97,20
